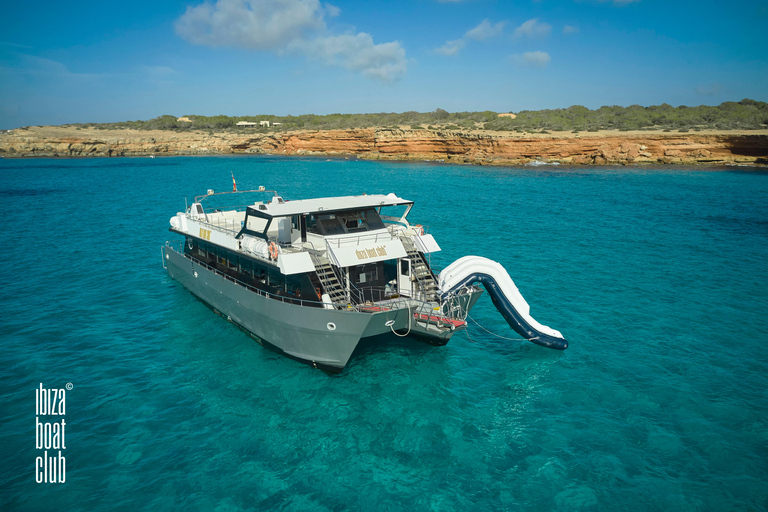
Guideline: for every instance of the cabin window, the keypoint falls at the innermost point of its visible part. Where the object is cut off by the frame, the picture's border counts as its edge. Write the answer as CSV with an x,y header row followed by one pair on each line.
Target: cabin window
x,y
330,224
361,220
404,264
245,270
372,220
354,221
368,274
312,225
275,282
300,287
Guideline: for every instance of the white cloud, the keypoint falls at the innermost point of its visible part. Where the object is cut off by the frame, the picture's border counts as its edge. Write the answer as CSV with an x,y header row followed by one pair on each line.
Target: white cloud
x,y
254,24
570,29
537,59
358,53
452,47
485,30
533,29
289,25
332,10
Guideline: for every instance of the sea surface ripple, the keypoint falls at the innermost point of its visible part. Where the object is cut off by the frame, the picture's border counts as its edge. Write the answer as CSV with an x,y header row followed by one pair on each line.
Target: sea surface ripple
x,y
657,276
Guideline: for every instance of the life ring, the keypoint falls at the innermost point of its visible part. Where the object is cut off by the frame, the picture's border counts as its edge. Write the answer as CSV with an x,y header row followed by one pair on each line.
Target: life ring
x,y
419,229
273,250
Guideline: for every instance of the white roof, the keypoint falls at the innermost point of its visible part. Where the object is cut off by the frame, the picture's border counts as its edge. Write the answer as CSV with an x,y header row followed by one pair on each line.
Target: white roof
x,y
330,204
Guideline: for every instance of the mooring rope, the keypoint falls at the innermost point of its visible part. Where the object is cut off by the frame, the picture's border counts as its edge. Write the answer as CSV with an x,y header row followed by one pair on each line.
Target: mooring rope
x,y
391,326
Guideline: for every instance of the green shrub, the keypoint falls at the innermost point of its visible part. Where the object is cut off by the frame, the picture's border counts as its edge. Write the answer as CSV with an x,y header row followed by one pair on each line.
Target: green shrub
x,y
745,114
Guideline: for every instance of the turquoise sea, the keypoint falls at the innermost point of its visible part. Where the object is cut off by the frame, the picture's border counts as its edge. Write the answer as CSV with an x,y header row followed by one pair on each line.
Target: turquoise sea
x,y
658,277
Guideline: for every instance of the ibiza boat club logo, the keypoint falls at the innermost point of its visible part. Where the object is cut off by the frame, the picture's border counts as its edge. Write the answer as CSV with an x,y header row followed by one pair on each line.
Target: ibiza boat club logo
x,y
50,427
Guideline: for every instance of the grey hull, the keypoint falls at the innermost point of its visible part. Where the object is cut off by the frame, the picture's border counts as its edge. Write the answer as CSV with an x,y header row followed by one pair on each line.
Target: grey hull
x,y
325,338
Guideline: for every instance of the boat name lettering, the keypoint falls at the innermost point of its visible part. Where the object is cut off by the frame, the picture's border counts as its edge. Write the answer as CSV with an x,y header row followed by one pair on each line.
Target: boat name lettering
x,y
205,234
371,253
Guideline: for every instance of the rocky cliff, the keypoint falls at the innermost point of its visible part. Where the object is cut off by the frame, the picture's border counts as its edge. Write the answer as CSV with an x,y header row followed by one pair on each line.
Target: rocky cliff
x,y
489,148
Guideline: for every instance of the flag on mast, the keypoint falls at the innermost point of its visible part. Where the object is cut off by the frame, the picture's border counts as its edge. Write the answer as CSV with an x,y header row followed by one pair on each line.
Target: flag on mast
x,y
234,184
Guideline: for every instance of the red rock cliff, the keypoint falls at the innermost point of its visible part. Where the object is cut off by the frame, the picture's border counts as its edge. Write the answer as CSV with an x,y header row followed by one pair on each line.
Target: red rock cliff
x,y
451,146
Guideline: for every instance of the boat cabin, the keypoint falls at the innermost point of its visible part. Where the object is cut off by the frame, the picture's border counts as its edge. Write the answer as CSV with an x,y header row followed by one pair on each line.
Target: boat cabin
x,y
331,251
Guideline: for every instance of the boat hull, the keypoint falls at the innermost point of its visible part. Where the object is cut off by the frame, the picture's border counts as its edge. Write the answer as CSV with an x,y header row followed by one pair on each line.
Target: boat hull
x,y
324,338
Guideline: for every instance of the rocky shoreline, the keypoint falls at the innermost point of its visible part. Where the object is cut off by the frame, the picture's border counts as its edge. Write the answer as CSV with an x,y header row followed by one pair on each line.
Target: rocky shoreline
x,y
476,147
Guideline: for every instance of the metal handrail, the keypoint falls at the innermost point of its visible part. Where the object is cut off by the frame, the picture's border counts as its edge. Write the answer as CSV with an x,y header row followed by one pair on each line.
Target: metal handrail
x,y
201,198
451,304
358,239
218,227
281,298
259,291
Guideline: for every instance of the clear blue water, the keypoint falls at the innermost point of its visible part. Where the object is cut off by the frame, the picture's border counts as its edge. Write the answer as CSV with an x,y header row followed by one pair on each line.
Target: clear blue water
x,y
656,276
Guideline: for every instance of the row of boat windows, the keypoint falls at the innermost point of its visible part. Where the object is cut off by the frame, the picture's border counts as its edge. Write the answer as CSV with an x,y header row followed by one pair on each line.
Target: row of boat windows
x,y
251,272
366,278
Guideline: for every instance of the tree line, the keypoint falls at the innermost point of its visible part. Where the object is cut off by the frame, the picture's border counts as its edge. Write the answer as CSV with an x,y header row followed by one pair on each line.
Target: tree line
x,y
745,115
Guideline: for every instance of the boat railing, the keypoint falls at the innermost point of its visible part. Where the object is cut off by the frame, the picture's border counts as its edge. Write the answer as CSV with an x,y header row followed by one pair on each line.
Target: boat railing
x,y
397,225
361,306
374,294
235,193
250,287
438,313
228,226
357,240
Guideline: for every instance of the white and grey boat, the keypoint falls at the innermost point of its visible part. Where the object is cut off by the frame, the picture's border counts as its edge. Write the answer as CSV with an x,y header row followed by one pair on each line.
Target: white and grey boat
x,y
310,278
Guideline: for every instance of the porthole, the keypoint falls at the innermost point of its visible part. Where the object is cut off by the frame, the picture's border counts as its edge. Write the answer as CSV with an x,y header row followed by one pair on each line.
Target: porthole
x,y
331,326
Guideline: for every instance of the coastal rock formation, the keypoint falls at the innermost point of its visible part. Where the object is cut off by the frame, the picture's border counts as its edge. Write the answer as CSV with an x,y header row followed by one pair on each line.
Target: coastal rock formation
x,y
488,148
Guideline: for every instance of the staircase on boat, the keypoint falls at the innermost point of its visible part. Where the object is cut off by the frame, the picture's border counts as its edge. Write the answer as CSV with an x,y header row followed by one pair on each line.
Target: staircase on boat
x,y
420,270
329,280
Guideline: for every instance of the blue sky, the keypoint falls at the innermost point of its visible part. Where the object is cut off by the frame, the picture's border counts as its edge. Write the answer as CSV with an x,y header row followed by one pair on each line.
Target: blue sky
x,y
117,61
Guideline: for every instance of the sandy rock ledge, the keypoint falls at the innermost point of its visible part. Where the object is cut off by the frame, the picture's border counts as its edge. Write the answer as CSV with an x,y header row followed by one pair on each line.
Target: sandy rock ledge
x,y
485,148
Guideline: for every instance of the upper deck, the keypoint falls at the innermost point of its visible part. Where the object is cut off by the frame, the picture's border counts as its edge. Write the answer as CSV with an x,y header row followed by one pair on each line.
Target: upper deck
x,y
346,230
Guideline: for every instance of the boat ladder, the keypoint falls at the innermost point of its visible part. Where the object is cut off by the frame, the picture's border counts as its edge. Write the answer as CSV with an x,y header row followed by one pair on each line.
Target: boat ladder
x,y
329,280
420,270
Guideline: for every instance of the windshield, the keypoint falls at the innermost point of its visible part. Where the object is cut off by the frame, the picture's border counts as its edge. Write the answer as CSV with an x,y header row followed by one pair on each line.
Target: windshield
x,y
353,221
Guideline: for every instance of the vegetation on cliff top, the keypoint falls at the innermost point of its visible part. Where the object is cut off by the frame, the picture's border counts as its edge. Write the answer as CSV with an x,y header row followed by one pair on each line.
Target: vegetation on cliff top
x,y
745,114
